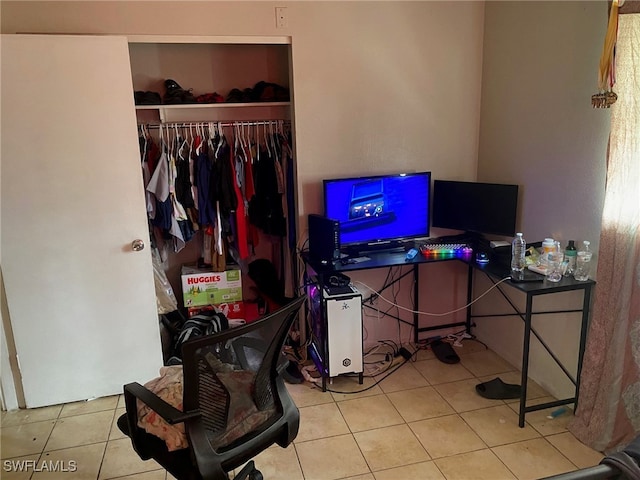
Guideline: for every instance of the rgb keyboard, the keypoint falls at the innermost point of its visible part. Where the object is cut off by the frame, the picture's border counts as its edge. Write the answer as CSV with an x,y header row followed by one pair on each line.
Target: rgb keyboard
x,y
446,250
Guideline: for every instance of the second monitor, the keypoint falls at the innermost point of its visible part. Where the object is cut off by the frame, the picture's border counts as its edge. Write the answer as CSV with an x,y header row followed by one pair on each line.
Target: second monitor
x,y
475,207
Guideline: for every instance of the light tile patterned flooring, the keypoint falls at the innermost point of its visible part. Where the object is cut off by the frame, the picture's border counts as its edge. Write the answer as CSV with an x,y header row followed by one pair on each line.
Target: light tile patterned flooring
x,y
424,422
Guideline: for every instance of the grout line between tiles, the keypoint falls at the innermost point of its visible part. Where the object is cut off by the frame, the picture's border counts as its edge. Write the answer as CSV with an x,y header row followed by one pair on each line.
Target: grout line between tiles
x,y
298,459
106,446
559,451
504,464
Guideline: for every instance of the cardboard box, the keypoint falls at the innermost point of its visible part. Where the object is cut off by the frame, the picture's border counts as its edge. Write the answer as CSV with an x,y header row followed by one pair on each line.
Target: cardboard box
x,y
204,287
247,311
231,310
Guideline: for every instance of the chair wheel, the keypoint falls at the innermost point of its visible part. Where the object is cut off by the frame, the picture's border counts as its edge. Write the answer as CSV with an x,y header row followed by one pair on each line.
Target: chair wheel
x,y
255,475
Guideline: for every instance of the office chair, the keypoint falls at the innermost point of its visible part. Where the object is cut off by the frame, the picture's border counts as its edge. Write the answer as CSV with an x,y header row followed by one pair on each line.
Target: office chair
x,y
235,403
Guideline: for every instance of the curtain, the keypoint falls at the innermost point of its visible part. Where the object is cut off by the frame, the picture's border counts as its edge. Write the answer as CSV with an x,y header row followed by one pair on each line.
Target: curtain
x,y
608,414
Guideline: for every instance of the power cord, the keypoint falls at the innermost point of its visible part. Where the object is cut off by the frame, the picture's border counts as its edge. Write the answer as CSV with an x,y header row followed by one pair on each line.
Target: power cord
x,y
388,350
379,295
406,355
456,338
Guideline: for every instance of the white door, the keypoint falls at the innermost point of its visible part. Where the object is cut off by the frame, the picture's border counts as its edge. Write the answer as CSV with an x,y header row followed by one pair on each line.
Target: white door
x,y
81,302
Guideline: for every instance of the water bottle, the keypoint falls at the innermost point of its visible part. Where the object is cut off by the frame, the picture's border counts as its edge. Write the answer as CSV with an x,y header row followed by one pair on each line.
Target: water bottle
x,y
570,254
583,263
518,248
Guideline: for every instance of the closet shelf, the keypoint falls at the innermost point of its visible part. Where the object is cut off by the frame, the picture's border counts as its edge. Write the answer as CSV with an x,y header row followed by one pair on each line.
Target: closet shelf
x,y
164,110
183,106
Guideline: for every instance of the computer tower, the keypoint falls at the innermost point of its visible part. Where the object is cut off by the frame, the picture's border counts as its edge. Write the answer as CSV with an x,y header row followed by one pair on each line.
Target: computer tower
x,y
324,239
337,330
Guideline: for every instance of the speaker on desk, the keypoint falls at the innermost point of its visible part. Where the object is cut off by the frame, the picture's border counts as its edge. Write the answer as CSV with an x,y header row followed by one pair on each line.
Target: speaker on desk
x,y
324,238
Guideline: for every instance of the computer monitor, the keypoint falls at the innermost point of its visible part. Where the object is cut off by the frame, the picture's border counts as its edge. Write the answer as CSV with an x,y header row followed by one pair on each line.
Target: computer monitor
x,y
379,211
474,207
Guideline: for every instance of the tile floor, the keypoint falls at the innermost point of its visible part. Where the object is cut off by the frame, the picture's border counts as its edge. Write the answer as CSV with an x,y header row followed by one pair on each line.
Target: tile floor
x,y
423,422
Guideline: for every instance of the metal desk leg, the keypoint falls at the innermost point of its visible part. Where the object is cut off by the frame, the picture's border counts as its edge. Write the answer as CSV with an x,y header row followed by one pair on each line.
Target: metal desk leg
x,y
469,297
416,303
586,304
525,360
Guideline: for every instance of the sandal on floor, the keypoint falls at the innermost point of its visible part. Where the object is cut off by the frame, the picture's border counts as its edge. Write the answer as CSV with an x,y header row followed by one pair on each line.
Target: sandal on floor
x,y
496,389
444,352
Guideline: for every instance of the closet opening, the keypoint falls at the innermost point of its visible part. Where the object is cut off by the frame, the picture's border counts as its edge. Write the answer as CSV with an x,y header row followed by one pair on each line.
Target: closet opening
x,y
219,166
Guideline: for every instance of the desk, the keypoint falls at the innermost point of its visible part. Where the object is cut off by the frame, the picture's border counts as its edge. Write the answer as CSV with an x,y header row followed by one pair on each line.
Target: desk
x,y
533,290
396,259
495,272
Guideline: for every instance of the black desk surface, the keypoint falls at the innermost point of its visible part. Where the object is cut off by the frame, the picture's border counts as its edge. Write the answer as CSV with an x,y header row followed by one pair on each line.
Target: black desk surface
x,y
497,270
501,271
375,260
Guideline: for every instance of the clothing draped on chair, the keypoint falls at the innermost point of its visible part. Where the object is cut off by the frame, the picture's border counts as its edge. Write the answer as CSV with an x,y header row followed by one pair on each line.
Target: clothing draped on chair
x,y
222,407
608,414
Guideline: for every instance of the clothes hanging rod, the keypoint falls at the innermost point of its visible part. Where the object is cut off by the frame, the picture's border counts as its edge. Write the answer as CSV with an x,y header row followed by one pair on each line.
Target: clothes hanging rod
x,y
221,124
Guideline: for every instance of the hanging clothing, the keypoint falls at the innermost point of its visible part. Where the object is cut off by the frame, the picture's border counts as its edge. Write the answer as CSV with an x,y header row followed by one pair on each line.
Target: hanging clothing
x,y
153,155
222,181
183,184
265,208
159,182
165,217
252,231
203,173
193,156
218,251
178,209
159,187
240,231
145,144
234,188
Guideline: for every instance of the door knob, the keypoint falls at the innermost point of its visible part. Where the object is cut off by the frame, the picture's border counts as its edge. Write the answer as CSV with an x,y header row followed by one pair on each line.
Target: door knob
x,y
137,245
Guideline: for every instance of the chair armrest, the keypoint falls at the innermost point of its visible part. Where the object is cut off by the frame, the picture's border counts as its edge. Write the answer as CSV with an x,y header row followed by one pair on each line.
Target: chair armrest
x,y
168,412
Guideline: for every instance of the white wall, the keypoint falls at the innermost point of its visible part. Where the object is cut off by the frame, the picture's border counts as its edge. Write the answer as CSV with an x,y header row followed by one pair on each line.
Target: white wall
x,y
538,130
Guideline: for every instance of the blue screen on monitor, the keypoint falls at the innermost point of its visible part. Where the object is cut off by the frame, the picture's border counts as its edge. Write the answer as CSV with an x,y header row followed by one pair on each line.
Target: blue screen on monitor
x,y
379,209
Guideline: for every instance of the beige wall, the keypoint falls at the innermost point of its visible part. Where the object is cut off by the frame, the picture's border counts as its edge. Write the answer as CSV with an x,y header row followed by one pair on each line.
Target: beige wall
x,y
378,86
375,91
538,130
388,86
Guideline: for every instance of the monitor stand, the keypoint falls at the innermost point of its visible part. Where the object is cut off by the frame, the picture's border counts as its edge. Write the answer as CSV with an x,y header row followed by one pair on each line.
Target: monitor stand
x,y
392,246
473,239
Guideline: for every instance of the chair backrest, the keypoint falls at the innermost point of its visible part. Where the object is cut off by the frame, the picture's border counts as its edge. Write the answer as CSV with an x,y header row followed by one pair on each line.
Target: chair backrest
x,y
231,378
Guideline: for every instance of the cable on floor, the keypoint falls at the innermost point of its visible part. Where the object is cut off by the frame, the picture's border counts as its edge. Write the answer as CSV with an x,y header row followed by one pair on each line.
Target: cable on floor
x,y
389,372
